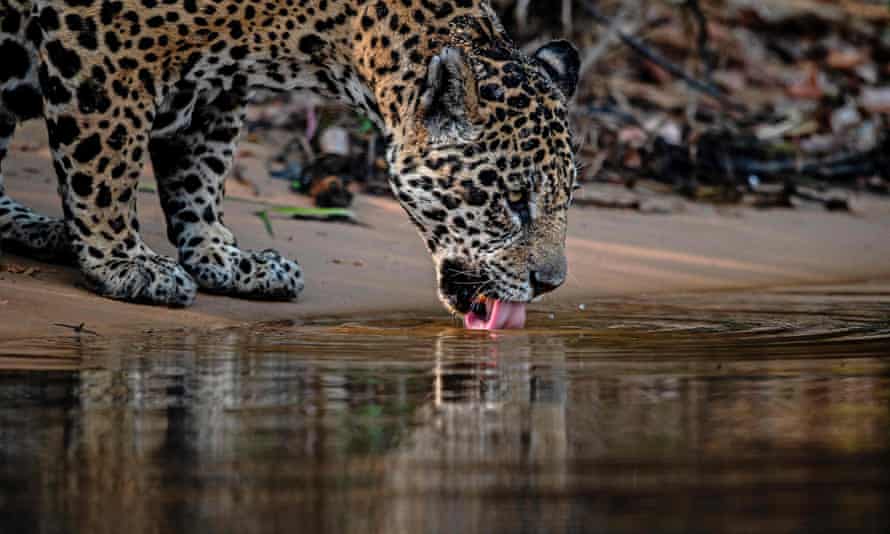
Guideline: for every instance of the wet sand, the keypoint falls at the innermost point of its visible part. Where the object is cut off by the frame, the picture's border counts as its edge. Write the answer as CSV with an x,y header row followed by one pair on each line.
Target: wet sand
x,y
383,266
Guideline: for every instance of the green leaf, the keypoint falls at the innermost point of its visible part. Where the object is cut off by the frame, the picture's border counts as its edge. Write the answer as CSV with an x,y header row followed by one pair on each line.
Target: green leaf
x,y
267,222
320,213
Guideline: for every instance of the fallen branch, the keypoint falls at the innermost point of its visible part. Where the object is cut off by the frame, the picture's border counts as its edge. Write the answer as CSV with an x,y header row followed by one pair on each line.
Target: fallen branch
x,y
843,167
724,164
640,48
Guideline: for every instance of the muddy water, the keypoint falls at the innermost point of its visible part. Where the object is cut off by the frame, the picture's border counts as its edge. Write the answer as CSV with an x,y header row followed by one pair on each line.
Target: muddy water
x,y
746,412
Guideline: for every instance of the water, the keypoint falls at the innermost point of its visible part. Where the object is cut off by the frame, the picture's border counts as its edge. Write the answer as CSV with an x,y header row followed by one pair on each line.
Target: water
x,y
765,412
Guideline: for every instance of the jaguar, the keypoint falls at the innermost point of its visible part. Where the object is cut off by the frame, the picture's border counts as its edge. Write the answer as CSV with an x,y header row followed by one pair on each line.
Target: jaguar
x,y
477,135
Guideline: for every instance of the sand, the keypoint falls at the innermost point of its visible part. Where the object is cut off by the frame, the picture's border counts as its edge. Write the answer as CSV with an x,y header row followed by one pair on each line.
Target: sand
x,y
383,267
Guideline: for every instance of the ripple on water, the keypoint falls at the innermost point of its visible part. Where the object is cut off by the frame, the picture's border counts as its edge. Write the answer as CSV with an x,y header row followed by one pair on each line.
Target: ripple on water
x,y
743,412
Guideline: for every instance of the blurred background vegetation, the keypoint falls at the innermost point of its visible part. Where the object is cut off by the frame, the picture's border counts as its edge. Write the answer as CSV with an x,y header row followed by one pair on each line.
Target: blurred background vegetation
x,y
768,103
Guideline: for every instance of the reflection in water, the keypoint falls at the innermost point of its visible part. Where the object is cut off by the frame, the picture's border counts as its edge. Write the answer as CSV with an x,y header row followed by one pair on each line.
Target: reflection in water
x,y
733,413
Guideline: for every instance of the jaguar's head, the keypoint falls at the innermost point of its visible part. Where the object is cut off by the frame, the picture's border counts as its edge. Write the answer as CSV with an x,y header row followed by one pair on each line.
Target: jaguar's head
x,y
488,177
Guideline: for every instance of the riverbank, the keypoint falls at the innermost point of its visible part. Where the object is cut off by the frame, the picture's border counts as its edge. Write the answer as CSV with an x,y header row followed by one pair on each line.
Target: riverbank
x,y
382,266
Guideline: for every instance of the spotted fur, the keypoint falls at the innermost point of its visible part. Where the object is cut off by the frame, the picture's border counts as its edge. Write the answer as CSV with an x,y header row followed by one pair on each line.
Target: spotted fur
x,y
479,145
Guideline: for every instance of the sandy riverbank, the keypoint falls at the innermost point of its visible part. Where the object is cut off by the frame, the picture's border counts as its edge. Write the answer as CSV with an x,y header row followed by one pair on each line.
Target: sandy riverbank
x,y
383,267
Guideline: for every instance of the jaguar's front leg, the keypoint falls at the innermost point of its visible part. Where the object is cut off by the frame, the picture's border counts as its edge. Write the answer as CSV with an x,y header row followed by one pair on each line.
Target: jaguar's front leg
x,y
191,166
98,158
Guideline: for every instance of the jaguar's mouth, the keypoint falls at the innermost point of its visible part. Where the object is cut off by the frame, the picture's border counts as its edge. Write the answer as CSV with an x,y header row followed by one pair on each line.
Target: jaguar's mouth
x,y
468,291
493,314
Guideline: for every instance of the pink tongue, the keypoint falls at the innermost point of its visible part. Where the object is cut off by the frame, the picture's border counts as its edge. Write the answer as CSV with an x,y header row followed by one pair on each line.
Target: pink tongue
x,y
502,315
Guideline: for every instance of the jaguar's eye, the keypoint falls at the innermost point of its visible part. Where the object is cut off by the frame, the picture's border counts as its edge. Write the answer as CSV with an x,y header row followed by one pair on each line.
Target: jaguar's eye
x,y
520,204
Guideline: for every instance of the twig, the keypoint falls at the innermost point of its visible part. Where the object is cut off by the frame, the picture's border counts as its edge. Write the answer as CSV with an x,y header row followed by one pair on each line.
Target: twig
x,y
704,51
566,16
623,116
640,48
521,14
593,54
78,329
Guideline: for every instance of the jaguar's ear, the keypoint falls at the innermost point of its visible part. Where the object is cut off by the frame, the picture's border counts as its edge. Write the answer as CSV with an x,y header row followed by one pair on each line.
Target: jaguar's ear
x,y
561,62
449,104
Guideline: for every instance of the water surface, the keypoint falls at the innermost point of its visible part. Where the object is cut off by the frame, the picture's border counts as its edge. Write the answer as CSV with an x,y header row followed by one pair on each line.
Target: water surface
x,y
765,412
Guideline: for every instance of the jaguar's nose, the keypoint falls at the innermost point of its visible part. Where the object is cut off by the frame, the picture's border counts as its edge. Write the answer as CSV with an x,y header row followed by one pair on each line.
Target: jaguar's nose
x,y
547,280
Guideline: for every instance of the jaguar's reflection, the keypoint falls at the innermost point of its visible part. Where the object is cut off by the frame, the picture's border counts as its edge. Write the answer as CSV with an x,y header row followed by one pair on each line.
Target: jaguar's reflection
x,y
230,422
364,428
